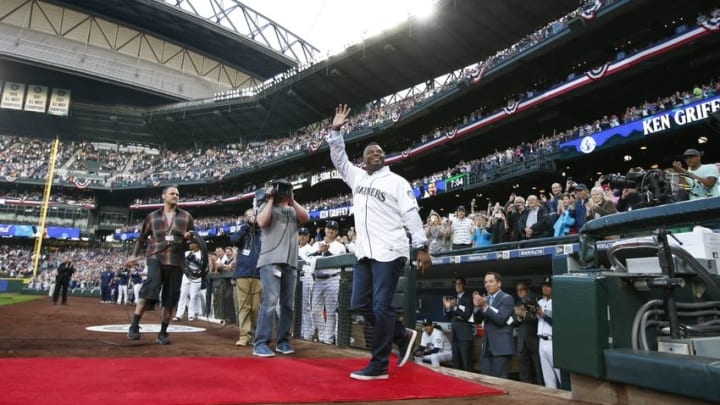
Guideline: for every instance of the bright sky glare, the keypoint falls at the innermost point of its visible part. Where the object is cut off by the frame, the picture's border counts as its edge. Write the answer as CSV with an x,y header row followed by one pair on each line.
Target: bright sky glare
x,y
332,25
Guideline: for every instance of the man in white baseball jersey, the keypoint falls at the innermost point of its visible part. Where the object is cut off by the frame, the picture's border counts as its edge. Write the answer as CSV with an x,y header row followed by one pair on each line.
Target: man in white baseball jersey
x,y
307,329
435,347
384,206
327,285
551,375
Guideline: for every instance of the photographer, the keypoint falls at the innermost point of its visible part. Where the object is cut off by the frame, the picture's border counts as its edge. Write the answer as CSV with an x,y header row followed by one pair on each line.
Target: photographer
x,y
278,219
435,232
525,319
62,280
498,225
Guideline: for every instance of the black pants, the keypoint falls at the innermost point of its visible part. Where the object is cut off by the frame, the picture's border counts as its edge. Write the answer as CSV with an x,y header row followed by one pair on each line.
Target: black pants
x,y
529,367
61,283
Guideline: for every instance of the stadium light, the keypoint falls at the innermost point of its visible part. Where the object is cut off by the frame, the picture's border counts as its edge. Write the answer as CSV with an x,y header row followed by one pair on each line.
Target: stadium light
x,y
422,10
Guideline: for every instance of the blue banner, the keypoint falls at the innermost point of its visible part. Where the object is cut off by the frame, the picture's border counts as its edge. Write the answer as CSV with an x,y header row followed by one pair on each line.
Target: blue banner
x,y
677,117
59,232
9,231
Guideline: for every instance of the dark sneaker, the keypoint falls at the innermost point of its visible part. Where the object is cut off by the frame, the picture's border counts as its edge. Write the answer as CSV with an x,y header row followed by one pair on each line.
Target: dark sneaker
x,y
263,350
134,333
368,374
405,346
284,348
162,339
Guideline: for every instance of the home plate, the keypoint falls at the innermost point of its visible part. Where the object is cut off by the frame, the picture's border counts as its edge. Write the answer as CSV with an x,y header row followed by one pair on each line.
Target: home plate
x,y
144,327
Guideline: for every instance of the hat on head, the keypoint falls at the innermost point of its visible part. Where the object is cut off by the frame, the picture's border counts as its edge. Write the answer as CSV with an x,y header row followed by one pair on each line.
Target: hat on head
x,y
303,231
547,281
691,152
332,224
461,208
427,322
581,186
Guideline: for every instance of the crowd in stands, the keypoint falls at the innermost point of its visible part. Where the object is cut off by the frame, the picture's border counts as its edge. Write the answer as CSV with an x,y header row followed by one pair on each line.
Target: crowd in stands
x,y
113,168
63,196
17,262
122,169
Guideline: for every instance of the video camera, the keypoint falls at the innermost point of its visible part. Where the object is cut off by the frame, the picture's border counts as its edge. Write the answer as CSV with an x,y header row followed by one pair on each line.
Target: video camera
x,y
654,186
277,188
530,304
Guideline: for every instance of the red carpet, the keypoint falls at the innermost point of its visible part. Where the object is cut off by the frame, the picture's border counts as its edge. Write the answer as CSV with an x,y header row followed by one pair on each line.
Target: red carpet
x,y
212,380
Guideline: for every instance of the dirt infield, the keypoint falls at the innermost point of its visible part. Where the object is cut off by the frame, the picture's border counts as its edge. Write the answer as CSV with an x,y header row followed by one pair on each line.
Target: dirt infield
x,y
39,329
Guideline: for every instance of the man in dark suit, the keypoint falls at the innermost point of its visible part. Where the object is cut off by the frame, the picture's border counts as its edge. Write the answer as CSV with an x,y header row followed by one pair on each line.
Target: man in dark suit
x,y
525,319
62,280
459,310
496,310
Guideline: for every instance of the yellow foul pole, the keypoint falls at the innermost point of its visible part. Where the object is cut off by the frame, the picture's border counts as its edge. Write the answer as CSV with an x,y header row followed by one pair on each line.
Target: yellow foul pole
x,y
44,207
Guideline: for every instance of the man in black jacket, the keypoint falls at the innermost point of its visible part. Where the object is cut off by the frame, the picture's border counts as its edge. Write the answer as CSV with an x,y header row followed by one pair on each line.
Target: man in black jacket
x,y
525,319
62,280
458,310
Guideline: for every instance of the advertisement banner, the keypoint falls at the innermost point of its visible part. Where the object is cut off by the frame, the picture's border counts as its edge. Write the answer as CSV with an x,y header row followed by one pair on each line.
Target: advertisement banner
x,y
59,102
36,99
12,96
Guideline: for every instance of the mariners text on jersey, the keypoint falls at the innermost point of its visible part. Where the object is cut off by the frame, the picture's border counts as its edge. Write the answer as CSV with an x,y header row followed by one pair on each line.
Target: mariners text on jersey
x,y
371,192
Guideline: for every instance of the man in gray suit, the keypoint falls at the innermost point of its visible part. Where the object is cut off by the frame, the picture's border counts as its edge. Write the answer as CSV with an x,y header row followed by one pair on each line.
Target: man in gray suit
x,y
496,310
458,310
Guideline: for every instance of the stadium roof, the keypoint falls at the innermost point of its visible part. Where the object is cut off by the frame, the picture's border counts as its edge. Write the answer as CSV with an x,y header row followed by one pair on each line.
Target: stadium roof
x,y
458,34
256,57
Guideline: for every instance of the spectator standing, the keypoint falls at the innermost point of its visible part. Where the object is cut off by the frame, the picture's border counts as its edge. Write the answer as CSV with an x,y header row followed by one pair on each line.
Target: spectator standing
x,y
580,208
565,217
436,234
702,179
461,230
598,206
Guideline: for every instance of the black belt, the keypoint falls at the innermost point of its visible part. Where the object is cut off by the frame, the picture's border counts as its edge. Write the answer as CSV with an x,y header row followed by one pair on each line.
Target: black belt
x,y
325,276
545,337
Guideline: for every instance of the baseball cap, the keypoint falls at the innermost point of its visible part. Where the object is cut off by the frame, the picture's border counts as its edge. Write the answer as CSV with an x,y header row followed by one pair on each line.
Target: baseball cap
x,y
691,152
547,281
461,208
581,186
303,231
427,322
332,224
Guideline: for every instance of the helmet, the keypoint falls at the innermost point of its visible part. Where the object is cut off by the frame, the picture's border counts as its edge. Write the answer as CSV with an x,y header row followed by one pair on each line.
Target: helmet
x,y
193,267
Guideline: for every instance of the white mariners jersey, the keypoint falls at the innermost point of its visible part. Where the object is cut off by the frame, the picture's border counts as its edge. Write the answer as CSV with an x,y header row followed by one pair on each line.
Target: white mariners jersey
x,y
303,252
436,340
545,327
383,204
335,248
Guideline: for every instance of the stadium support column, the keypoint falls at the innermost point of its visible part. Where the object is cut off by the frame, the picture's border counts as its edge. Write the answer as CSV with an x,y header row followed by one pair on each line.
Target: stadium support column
x,y
44,208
